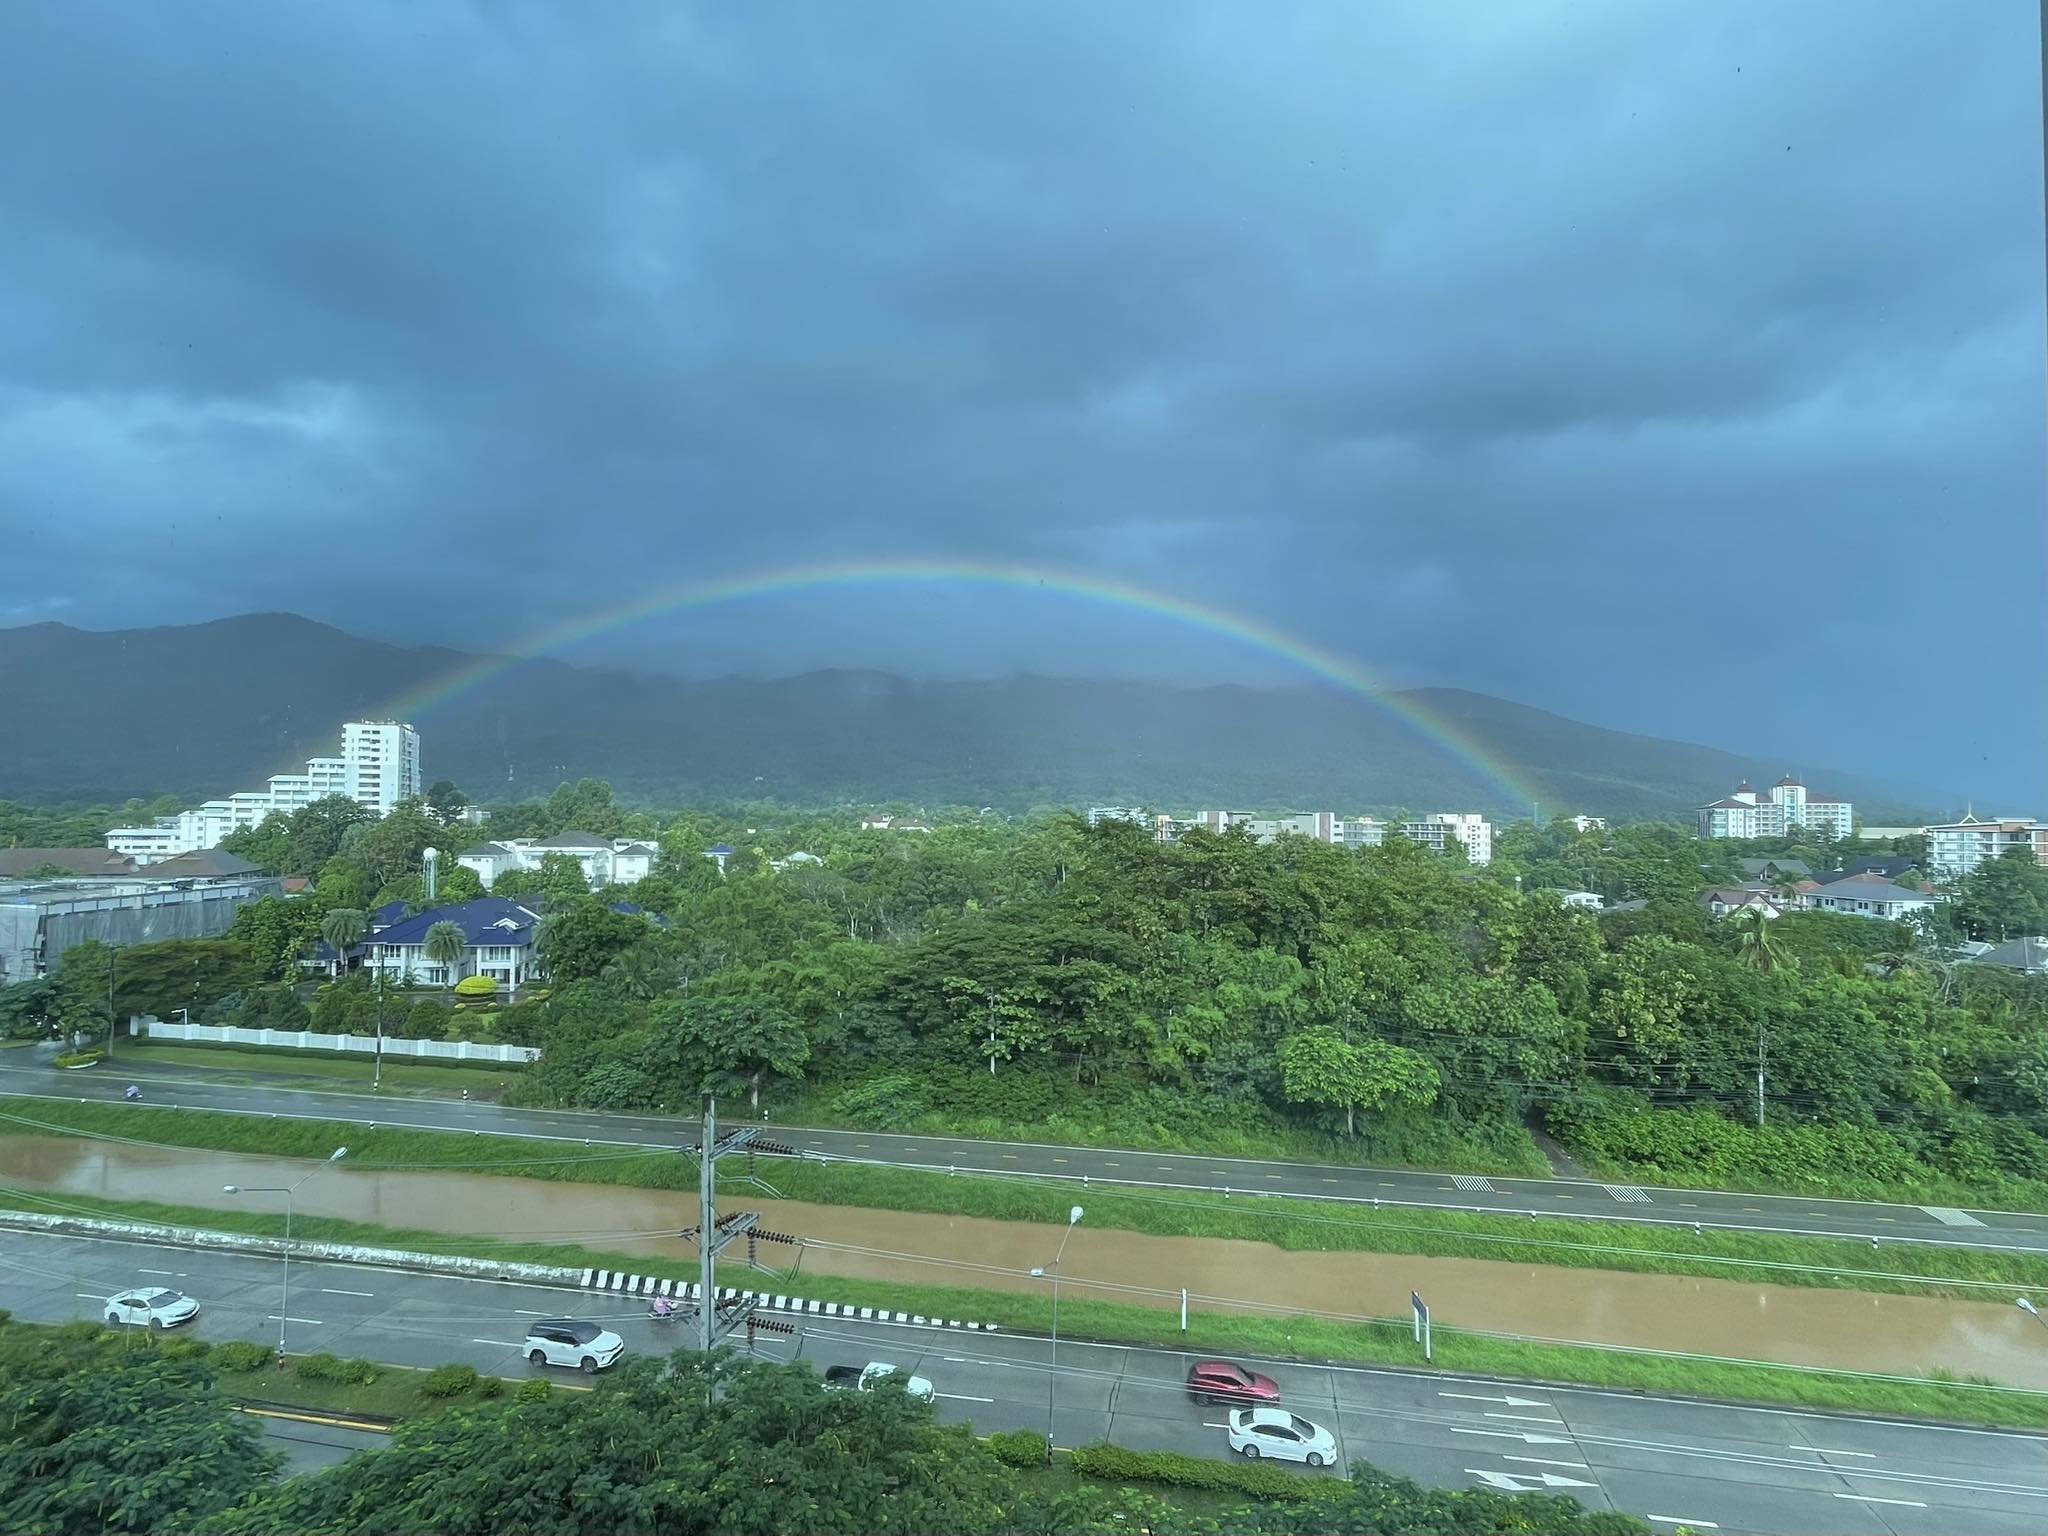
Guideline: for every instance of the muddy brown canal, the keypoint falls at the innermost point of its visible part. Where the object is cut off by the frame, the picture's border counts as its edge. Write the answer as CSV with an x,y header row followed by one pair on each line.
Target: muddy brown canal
x,y
1907,1335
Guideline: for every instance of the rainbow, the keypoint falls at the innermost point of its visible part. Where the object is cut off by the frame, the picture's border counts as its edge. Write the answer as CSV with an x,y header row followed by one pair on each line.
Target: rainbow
x,y
1304,657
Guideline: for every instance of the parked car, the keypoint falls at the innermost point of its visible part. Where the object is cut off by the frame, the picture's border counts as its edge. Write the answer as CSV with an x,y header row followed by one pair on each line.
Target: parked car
x,y
1284,1436
865,1378
564,1341
1218,1381
151,1306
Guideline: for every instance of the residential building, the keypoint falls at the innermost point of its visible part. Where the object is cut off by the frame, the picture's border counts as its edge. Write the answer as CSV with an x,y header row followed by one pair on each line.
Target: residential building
x,y
497,940
378,767
2029,956
1785,808
604,860
894,824
1098,814
40,919
718,853
1590,901
1588,823
1741,899
1440,829
1869,896
1956,848
1776,869
793,861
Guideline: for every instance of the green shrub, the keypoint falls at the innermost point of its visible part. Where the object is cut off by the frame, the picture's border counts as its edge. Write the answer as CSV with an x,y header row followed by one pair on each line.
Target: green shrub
x,y
240,1356
893,1102
1018,1447
476,986
1115,1463
184,1347
6,1317
449,1381
490,1386
84,1058
325,1367
534,1391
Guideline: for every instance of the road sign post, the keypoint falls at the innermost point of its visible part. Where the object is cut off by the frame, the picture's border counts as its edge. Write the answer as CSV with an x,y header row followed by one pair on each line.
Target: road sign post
x,y
1421,1321
1183,1309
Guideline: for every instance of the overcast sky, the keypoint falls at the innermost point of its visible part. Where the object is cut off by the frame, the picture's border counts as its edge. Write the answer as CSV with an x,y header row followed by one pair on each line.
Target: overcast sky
x,y
1674,366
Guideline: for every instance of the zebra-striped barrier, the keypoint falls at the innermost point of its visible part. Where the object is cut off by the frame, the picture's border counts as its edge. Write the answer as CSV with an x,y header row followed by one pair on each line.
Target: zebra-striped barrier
x,y
619,1283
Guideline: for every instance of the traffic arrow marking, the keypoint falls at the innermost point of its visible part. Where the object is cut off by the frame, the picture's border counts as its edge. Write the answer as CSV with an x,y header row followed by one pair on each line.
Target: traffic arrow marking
x,y
1512,1402
1523,1435
1512,1482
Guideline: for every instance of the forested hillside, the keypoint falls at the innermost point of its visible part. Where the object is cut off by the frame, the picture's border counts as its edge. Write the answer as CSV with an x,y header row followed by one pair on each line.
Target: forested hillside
x,y
208,709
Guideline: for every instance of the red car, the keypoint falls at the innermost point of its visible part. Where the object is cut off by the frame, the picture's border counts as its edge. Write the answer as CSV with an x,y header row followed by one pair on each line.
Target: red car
x,y
1218,1381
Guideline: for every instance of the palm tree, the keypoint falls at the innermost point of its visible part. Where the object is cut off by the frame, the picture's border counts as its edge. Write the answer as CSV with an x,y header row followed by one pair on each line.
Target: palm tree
x,y
343,929
1756,943
445,943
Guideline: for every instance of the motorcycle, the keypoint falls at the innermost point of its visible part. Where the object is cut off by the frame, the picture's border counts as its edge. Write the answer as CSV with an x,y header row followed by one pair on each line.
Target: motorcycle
x,y
132,1094
662,1310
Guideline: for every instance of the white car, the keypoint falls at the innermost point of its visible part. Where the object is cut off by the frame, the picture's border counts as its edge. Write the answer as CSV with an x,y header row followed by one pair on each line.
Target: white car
x,y
1284,1436
564,1341
151,1307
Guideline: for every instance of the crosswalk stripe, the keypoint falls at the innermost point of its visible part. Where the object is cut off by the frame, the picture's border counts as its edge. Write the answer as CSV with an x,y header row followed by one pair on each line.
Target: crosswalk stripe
x,y
1628,1194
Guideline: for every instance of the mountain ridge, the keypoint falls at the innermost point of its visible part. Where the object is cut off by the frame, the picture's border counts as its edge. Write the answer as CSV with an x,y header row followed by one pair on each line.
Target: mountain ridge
x,y
205,709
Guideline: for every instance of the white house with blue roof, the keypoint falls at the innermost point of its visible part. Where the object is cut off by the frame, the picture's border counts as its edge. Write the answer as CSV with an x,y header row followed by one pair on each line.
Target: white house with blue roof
x,y
497,939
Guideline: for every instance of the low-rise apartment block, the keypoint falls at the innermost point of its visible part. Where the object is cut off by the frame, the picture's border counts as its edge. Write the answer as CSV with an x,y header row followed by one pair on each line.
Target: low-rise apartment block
x,y
604,860
1786,807
1440,830
1958,847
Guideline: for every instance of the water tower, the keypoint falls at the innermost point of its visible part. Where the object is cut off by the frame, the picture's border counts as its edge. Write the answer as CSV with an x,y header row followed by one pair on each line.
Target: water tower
x,y
433,858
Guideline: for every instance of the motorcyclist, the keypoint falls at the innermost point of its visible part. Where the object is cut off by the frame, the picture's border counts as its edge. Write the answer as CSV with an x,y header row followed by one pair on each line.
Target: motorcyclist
x,y
133,1092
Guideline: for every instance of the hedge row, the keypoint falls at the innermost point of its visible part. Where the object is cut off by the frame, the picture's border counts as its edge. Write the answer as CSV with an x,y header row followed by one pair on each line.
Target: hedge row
x,y
1172,1469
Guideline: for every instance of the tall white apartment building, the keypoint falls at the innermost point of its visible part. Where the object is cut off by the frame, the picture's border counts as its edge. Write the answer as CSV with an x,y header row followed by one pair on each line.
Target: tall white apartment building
x,y
1746,813
1957,848
378,767
1439,829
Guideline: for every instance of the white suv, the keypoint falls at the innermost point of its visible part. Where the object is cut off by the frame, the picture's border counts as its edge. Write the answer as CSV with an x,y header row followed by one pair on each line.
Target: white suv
x,y
564,1341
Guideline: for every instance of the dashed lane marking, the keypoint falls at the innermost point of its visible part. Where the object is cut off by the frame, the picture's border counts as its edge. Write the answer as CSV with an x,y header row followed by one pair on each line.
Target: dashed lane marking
x,y
330,1291
1867,1499
1705,1525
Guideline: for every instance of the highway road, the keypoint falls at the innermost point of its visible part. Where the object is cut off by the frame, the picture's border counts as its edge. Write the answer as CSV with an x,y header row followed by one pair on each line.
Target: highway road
x,y
1582,1198
1711,1466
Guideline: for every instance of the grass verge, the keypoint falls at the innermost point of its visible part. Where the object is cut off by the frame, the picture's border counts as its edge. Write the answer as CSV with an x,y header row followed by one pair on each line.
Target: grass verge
x,y
1295,1225
1287,1336
326,1069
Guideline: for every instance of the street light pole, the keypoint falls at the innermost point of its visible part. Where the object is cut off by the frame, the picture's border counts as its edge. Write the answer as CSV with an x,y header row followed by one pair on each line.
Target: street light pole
x,y
2032,1311
284,1300
1052,1375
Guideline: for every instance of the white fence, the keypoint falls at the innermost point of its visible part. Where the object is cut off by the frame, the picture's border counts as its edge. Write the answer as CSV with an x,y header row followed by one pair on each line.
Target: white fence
x,y
311,1040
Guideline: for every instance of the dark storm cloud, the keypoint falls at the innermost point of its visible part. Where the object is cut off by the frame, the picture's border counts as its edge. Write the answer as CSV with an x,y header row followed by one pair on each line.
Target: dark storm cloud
x,y
1602,356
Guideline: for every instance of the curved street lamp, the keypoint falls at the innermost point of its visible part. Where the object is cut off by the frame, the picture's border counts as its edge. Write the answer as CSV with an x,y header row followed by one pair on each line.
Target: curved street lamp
x,y
284,1302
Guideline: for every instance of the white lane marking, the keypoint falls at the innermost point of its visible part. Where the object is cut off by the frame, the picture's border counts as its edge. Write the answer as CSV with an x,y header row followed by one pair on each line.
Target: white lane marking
x,y
954,1359
1522,1435
1705,1525
308,1322
526,1312
1867,1499
1949,1216
1821,1450
1528,1418
1510,1400
1628,1194
499,1342
1512,1481
1544,1461
158,1272
1207,1425
962,1397
326,1290
1474,1183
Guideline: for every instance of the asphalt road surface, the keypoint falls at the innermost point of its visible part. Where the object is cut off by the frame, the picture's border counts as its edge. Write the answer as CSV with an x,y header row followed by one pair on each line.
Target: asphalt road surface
x,y
1711,1466
1580,1198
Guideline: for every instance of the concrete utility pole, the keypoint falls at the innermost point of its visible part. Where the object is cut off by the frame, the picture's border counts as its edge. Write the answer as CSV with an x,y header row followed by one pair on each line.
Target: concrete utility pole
x,y
713,1231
